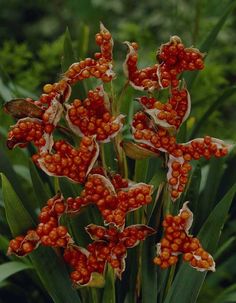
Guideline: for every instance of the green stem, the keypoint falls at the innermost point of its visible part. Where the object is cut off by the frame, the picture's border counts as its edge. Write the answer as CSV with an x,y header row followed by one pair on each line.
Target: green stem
x,y
122,162
170,279
109,289
121,95
197,20
102,156
56,184
166,201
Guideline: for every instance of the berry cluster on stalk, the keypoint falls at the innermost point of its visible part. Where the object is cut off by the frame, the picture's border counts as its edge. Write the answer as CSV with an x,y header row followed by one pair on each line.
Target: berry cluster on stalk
x,y
154,129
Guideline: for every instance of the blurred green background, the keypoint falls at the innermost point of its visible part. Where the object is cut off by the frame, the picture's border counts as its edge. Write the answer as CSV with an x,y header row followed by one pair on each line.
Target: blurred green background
x,y
31,48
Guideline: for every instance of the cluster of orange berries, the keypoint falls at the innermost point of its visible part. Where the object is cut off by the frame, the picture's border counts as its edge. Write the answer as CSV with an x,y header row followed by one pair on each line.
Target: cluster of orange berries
x,y
145,132
116,241
174,59
43,117
92,116
145,78
100,67
119,182
48,232
177,176
24,131
67,161
59,91
177,241
110,245
84,263
112,204
23,245
172,113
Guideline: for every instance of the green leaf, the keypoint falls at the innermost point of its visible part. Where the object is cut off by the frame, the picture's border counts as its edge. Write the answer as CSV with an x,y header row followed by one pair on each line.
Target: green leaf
x,y
225,247
208,197
216,104
228,295
49,267
53,273
209,41
8,171
109,289
40,188
192,194
149,273
141,170
3,244
68,59
68,52
209,234
83,40
68,188
18,218
10,268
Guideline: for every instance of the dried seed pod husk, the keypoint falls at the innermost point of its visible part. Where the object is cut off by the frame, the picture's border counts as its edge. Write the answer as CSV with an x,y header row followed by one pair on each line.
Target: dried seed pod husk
x,y
21,108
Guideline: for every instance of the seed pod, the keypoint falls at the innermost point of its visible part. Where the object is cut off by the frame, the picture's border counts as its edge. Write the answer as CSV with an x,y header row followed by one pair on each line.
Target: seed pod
x,y
177,240
21,108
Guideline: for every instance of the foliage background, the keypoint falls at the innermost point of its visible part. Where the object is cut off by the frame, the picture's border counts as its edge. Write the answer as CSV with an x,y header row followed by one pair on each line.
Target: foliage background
x,y
31,48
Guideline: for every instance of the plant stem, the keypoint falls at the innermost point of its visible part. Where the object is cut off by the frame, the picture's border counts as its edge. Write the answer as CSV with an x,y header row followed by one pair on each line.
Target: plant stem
x,y
56,185
102,156
121,95
170,279
115,106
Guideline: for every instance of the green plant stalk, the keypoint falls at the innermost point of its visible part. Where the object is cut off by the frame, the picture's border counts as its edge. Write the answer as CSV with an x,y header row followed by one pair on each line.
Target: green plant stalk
x,y
167,204
56,184
140,174
109,290
170,279
102,155
115,109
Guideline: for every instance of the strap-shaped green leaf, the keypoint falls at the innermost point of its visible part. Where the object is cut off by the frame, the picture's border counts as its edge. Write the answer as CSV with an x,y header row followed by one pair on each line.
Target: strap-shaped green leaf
x,y
10,268
18,218
216,104
109,289
40,189
68,53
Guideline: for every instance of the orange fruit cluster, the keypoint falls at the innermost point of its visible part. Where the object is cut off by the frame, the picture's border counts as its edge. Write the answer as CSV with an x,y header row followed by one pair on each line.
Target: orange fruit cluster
x,y
143,79
118,182
48,232
24,244
177,241
24,131
115,242
67,161
174,59
84,263
59,91
110,245
100,67
172,113
92,116
180,154
112,205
